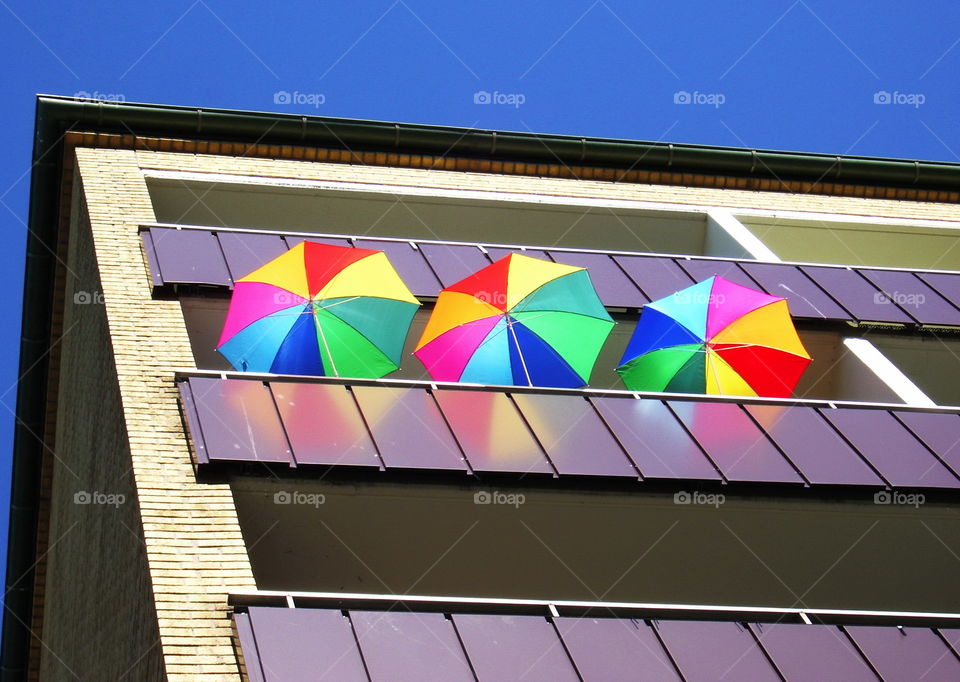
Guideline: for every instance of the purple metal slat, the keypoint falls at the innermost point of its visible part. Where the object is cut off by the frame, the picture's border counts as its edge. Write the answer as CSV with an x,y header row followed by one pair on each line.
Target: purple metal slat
x,y
575,438
812,652
804,298
292,240
654,439
657,277
408,428
491,432
614,288
891,448
707,651
193,422
410,647
453,262
940,431
947,284
306,644
952,637
495,253
856,294
239,421
907,654
514,648
912,294
190,256
324,424
245,251
248,645
704,269
151,254
734,442
812,445
616,649
409,262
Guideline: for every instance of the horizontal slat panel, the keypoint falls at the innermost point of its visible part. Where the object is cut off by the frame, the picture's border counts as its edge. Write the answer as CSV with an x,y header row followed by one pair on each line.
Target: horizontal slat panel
x,y
575,438
814,653
947,284
492,431
305,644
715,651
616,649
856,294
245,252
514,648
913,295
239,421
804,298
813,446
410,647
295,644
657,277
614,288
454,262
190,257
656,442
891,448
408,428
700,269
409,263
906,654
734,443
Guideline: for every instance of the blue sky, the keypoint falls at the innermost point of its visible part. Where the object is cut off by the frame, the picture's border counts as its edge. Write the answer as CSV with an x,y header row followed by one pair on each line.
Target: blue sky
x,y
866,78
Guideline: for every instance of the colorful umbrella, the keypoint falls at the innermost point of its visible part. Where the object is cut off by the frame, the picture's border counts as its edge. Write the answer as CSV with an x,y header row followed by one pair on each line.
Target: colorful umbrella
x,y
715,337
520,321
319,309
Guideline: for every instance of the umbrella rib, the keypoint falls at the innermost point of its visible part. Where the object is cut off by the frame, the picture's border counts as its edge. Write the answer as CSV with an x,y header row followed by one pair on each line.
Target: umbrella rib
x,y
323,337
523,363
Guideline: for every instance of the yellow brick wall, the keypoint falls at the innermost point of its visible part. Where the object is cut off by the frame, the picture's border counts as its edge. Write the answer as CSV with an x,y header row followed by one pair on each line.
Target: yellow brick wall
x,y
194,548
416,177
93,535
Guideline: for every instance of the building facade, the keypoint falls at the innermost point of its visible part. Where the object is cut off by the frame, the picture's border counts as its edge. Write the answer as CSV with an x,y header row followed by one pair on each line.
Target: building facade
x,y
174,519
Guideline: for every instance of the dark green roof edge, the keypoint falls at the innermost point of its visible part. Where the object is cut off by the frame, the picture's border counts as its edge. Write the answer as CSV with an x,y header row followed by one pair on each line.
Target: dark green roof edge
x,y
363,135
56,115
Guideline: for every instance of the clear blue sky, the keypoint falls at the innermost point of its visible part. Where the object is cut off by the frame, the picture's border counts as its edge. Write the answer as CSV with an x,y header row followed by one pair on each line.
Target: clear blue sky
x,y
788,74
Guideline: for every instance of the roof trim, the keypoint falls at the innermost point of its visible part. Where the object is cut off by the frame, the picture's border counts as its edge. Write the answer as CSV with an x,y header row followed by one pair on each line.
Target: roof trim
x,y
63,113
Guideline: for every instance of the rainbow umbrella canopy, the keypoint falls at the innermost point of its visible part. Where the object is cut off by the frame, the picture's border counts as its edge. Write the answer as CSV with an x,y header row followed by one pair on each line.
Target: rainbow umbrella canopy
x,y
319,310
520,321
715,337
